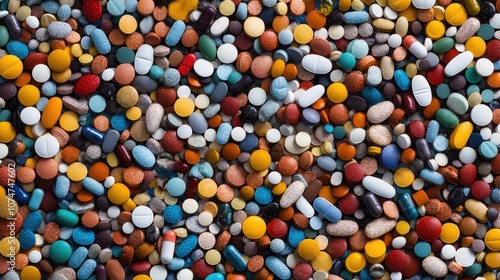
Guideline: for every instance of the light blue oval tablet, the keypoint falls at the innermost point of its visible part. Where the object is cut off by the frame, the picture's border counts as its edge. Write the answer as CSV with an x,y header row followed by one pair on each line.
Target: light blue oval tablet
x,y
176,187
97,104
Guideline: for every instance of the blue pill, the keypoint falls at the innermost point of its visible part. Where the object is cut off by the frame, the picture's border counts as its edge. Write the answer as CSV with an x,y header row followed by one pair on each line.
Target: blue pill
x,y
93,186
422,249
115,7
186,246
50,7
279,88
401,79
409,209
78,257
269,109
143,157
36,199
488,149
242,11
176,264
475,140
61,187
18,49
32,221
371,95
327,163
171,77
390,156
20,195
432,176
26,239
92,134
295,236
119,122
176,187
356,17
432,131
100,41
252,208
215,276
347,61
86,269
64,12
97,103
249,143
175,33
263,195
223,133
235,258
277,267
172,214
277,245
83,236
328,210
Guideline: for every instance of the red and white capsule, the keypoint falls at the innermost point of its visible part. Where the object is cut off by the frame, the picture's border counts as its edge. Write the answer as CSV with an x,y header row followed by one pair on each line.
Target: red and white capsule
x,y
168,247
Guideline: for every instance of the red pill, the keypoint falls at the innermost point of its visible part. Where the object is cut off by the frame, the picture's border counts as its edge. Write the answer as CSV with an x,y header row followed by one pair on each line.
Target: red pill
x,y
336,247
92,10
229,106
123,155
409,103
428,228
201,269
493,50
186,64
276,228
166,96
87,84
354,174
436,246
467,174
348,204
140,266
192,188
480,190
416,129
237,121
302,271
396,261
413,267
171,143
435,76
292,114
495,164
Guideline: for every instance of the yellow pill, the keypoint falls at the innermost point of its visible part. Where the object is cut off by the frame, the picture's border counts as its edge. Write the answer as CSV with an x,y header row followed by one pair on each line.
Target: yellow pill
x,y
30,273
77,171
130,205
403,177
410,13
374,151
402,227
184,107
112,160
337,92
118,194
9,245
52,112
449,233
303,34
127,24
281,8
58,60
455,14
212,257
492,239
61,77
278,68
69,121
279,189
227,7
438,12
128,96
207,188
76,50
411,70
399,5
435,29
308,249
254,27
375,251
247,193
10,67
141,277
8,132
133,113
323,262
476,46
260,160
3,192
44,47
460,135
254,227
28,95
355,262
85,59
490,275
238,204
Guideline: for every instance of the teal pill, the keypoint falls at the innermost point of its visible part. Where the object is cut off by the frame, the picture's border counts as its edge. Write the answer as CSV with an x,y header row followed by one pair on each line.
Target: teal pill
x,y
443,45
487,95
443,91
97,103
446,118
60,251
4,36
115,7
156,72
125,55
66,218
457,103
474,269
486,31
472,76
36,199
347,61
488,150
338,132
234,77
472,88
422,249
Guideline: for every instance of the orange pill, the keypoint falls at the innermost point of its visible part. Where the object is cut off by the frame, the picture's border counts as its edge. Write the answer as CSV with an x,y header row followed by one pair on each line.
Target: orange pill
x,y
133,176
340,191
420,197
23,79
215,121
90,219
408,155
119,238
359,119
84,196
494,80
315,19
230,151
70,154
346,151
99,171
280,23
290,72
319,104
286,214
192,156
431,109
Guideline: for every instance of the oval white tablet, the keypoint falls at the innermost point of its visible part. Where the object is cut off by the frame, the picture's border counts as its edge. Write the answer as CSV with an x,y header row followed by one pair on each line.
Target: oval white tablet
x,y
423,4
421,90
144,58
311,95
379,187
316,64
203,68
458,63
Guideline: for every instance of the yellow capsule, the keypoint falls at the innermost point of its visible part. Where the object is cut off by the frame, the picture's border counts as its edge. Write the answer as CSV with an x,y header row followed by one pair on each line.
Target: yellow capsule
x,y
326,7
472,6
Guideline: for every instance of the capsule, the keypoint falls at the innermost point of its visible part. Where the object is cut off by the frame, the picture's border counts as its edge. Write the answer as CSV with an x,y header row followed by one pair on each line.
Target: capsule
x,y
20,195
423,149
235,258
205,19
168,247
92,134
473,7
372,204
407,206
414,46
123,155
36,199
13,25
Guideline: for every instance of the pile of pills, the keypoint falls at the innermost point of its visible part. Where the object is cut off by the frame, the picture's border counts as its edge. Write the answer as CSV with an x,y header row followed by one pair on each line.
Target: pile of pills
x,y
290,139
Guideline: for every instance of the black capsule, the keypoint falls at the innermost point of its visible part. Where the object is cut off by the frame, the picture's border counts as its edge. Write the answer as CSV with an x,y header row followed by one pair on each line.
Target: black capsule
x,y
423,149
372,204
456,197
13,25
